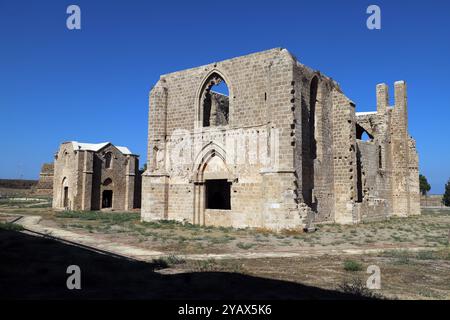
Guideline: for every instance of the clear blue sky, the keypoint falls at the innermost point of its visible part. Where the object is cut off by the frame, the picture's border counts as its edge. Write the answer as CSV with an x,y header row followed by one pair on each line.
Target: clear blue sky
x,y
92,85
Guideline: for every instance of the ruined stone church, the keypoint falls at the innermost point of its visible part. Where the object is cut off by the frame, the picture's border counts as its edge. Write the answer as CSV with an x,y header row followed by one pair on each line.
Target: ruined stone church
x,y
264,141
95,176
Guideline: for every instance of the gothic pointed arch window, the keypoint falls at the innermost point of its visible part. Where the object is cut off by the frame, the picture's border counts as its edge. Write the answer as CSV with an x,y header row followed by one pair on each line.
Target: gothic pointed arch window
x,y
214,102
362,134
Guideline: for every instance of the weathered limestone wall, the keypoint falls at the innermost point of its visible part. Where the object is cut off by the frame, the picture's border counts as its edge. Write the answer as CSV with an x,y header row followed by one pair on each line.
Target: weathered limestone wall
x,y
65,175
373,205
406,199
314,136
413,168
85,176
400,152
323,163
44,186
121,173
374,177
344,146
261,99
432,200
155,187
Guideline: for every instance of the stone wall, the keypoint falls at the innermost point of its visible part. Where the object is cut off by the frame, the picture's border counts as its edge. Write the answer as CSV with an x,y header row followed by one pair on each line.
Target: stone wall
x,y
261,100
44,186
432,200
344,158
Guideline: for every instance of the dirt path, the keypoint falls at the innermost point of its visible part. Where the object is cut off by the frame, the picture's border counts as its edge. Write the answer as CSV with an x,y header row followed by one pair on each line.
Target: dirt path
x,y
32,223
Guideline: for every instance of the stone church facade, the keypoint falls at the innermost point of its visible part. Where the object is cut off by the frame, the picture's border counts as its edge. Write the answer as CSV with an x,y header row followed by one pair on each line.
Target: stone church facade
x,y
283,148
95,176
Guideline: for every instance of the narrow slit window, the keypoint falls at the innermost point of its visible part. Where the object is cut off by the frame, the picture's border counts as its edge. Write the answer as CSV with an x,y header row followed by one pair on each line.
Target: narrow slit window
x,y
108,160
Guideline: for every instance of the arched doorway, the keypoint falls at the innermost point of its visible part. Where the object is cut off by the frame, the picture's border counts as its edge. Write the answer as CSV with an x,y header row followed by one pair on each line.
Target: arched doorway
x,y
212,183
107,194
107,197
65,193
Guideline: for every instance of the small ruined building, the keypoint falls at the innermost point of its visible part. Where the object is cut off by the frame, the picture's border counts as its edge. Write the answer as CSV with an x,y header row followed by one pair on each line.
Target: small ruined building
x,y
95,176
264,141
44,186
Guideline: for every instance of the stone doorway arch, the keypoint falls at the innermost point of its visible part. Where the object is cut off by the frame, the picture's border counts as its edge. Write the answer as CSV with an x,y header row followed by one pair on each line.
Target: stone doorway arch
x,y
107,194
65,203
211,174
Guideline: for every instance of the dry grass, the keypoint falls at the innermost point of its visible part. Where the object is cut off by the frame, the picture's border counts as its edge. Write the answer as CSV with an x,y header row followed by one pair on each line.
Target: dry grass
x,y
419,279
428,230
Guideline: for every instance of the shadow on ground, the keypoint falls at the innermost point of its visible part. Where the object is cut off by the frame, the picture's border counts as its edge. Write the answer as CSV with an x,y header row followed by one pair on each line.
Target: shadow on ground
x,y
35,268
